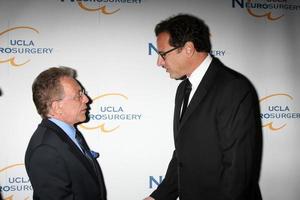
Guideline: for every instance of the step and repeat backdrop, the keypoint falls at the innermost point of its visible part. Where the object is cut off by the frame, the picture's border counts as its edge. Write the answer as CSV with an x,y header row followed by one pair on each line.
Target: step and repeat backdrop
x,y
111,44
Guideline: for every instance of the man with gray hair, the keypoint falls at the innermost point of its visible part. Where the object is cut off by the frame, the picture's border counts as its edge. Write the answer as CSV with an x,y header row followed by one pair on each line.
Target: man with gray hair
x,y
59,163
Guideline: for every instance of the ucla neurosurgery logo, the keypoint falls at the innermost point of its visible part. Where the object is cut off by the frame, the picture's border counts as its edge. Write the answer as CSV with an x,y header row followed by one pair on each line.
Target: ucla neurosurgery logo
x,y
18,46
14,183
277,110
107,7
267,9
109,111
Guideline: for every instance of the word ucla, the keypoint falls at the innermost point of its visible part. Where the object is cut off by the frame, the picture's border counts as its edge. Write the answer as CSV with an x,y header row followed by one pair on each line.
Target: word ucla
x,y
216,53
266,4
16,184
279,112
113,113
26,47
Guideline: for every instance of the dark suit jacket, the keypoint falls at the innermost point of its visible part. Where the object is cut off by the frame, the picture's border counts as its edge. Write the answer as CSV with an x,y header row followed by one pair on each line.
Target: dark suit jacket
x,y
58,170
218,141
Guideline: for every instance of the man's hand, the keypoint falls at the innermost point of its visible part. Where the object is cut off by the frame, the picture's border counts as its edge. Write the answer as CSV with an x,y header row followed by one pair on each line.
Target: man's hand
x,y
149,198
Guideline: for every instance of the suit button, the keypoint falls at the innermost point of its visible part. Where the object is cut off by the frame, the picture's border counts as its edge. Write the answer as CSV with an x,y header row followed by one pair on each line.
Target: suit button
x,y
180,164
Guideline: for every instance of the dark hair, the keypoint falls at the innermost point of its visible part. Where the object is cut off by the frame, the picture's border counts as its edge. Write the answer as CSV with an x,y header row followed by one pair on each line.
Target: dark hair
x,y
47,87
184,28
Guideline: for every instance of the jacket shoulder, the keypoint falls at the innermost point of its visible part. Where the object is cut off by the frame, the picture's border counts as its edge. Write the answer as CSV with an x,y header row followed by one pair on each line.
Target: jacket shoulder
x,y
226,76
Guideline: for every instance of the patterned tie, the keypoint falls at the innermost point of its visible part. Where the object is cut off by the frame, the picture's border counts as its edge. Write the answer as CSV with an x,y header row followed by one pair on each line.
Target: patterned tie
x,y
187,92
83,147
85,150
90,155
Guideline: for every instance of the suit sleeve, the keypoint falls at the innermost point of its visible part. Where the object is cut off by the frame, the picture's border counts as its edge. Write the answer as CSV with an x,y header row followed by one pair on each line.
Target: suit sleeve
x,y
48,175
168,189
238,129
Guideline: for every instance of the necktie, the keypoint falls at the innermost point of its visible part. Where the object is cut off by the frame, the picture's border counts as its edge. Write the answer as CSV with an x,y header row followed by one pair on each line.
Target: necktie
x,y
187,91
88,154
85,150
83,147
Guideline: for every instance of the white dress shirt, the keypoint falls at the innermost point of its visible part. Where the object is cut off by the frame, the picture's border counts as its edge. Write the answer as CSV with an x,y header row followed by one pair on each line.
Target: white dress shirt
x,y
197,75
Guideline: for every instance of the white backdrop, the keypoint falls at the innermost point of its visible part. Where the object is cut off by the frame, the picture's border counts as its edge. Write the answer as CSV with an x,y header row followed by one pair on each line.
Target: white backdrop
x,y
111,45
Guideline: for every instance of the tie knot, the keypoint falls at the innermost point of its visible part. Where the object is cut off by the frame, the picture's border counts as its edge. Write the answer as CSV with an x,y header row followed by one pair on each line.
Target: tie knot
x,y
188,85
187,91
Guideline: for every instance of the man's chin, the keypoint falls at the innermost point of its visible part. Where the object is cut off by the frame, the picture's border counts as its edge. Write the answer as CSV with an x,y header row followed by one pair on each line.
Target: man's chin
x,y
180,78
84,119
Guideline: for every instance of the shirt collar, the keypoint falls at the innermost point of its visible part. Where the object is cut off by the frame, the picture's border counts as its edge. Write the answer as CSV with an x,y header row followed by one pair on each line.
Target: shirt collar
x,y
67,128
197,75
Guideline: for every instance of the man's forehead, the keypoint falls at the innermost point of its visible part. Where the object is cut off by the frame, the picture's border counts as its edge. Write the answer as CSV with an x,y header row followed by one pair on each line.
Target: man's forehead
x,y
163,41
163,37
69,82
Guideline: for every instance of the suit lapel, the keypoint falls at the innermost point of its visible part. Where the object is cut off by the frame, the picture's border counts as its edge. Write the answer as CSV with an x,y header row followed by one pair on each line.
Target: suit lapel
x,y
178,101
201,91
96,167
195,101
72,147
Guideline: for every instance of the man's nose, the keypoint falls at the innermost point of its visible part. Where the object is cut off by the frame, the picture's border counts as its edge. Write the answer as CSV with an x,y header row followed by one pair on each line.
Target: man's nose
x,y
85,98
160,61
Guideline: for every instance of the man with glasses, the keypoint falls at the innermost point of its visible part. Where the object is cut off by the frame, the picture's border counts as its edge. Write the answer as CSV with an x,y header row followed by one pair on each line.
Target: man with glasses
x,y
217,128
58,161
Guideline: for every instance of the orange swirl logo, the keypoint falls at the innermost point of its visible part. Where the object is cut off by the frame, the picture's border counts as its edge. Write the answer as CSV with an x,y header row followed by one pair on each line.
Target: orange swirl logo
x,y
101,126
108,112
14,180
12,60
101,9
268,15
89,5
277,111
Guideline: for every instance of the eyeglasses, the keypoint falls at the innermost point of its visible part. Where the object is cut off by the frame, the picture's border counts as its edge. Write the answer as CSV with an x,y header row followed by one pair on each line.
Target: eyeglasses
x,y
80,95
77,97
163,54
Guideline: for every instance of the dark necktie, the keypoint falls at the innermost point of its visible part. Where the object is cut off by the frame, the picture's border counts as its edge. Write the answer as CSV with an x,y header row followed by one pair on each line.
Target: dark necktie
x,y
83,147
187,91
85,150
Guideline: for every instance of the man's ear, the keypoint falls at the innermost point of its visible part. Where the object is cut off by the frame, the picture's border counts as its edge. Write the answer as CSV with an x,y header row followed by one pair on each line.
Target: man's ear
x,y
189,48
55,108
